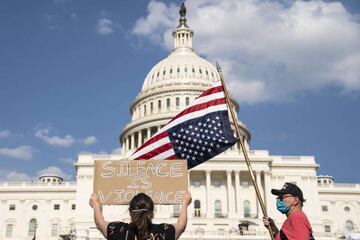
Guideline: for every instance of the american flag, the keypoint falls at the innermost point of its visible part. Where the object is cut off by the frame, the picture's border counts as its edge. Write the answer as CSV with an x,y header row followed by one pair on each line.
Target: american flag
x,y
196,134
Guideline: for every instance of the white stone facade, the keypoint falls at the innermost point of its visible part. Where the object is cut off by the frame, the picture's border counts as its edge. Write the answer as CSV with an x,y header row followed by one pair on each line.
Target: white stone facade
x,y
224,200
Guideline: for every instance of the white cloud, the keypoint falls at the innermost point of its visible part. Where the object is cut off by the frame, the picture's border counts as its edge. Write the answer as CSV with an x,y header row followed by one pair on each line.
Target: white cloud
x,y
5,133
89,140
43,134
22,152
159,19
269,52
104,26
13,176
54,170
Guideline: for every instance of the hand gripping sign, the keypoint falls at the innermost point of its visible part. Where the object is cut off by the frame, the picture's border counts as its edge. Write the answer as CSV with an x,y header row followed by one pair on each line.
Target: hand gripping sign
x,y
117,181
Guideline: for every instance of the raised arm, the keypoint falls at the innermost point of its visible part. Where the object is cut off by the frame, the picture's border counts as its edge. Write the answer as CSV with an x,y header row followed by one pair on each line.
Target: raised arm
x,y
99,220
182,220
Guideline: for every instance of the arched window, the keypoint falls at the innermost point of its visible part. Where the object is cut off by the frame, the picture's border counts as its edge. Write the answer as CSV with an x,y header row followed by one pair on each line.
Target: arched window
x,y
32,227
218,208
168,103
197,206
187,101
159,105
177,102
247,208
349,226
346,209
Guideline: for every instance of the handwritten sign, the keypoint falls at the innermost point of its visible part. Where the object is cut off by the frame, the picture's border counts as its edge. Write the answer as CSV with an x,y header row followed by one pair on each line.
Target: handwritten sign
x,y
117,182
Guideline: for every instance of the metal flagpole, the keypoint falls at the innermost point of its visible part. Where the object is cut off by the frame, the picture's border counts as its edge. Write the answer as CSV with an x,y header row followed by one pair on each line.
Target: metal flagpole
x,y
242,145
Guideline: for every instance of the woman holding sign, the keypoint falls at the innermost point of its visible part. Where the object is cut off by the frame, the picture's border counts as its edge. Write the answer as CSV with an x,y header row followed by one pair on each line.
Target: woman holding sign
x,y
141,210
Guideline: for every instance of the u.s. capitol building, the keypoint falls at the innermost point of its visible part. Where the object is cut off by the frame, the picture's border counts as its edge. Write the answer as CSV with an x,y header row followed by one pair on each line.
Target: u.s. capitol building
x,y
224,200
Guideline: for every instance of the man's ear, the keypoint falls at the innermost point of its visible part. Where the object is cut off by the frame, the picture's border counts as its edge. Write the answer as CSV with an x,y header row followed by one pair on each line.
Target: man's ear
x,y
297,201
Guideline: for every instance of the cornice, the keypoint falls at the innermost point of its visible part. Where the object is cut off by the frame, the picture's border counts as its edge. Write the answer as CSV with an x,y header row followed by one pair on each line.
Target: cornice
x,y
24,189
295,165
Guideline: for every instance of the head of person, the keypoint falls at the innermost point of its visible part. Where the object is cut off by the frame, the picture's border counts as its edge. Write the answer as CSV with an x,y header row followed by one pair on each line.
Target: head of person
x,y
289,197
141,211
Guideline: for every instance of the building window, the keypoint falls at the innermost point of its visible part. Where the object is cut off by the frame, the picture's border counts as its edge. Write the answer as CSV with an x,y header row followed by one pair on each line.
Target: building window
x,y
54,229
164,72
168,103
247,208
170,70
159,105
151,107
176,210
34,207
193,70
186,70
200,71
196,183
12,207
218,208
346,209
73,206
187,101
324,208
327,228
56,206
197,207
177,100
144,110
32,227
9,230
178,70
349,226
244,184
216,183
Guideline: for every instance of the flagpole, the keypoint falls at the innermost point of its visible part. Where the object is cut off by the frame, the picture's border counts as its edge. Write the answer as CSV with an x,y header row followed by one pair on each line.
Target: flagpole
x,y
242,145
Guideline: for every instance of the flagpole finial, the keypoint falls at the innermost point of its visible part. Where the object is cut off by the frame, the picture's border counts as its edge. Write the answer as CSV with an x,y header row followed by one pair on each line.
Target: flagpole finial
x,y
218,68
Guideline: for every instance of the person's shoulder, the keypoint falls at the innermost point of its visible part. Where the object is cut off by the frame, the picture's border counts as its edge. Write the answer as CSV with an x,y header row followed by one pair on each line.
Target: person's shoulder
x,y
299,216
118,225
164,227
116,229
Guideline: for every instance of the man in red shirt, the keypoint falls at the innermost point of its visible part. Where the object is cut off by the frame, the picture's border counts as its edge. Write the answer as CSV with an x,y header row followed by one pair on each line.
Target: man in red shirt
x,y
290,202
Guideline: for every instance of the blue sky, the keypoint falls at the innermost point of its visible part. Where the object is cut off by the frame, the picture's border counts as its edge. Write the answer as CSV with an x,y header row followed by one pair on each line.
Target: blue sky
x,y
69,71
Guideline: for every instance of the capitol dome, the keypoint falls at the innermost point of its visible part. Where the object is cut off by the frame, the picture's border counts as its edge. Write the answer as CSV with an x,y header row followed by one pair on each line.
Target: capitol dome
x,y
170,86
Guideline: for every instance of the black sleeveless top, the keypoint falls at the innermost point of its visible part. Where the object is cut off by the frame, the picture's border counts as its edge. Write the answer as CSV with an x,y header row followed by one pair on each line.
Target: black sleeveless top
x,y
120,231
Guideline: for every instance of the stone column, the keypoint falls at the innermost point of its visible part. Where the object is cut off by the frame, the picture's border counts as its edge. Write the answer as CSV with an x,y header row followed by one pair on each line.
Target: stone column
x,y
258,182
267,189
132,141
139,138
127,143
229,195
148,133
237,191
208,189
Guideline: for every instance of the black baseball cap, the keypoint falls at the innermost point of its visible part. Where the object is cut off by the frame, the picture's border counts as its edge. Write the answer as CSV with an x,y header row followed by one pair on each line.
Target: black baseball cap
x,y
289,188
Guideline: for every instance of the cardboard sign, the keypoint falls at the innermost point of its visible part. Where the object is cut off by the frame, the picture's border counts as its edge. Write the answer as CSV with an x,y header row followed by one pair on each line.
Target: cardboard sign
x,y
117,182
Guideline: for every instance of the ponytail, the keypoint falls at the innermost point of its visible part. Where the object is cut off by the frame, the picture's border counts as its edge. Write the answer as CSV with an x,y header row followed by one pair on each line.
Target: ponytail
x,y
141,212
